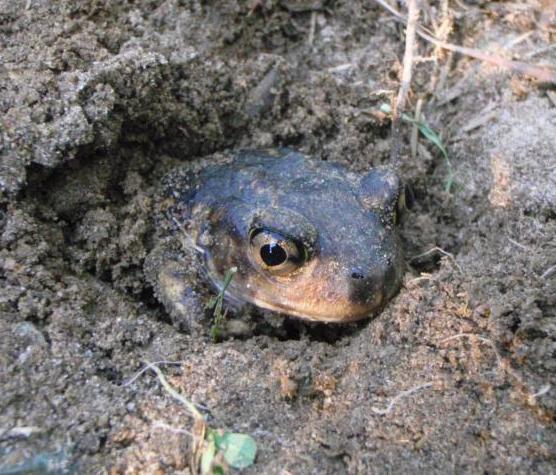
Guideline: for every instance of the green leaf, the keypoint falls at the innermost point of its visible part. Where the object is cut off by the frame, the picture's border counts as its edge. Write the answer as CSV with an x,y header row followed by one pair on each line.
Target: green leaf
x,y
239,450
218,470
218,439
432,137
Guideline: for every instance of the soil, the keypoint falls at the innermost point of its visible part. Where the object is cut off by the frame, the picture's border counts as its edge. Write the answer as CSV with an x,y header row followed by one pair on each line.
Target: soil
x,y
100,98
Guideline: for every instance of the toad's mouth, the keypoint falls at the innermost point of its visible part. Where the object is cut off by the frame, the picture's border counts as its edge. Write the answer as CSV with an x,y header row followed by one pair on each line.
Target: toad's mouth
x,y
337,312
313,300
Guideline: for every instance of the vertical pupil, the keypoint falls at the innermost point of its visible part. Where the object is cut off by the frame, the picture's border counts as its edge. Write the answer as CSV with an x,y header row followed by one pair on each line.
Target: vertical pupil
x,y
273,254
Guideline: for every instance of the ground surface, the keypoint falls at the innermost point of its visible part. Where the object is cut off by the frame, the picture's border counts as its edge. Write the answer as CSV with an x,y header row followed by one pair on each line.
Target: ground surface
x,y
100,98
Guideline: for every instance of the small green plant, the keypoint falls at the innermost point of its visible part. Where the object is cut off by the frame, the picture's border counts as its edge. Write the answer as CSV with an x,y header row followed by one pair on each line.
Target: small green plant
x,y
238,450
217,303
432,137
212,449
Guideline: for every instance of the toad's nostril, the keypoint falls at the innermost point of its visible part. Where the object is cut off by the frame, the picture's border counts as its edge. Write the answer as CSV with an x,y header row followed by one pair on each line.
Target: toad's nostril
x,y
357,274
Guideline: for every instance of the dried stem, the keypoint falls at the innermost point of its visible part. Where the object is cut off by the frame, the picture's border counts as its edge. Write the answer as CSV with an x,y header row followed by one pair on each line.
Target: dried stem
x,y
399,105
543,74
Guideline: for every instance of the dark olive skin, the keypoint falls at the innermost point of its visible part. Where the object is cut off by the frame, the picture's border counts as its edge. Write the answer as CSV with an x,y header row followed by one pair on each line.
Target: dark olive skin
x,y
308,238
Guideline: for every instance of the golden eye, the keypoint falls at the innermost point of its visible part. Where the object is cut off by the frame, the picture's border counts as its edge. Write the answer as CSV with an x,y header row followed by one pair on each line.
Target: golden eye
x,y
275,252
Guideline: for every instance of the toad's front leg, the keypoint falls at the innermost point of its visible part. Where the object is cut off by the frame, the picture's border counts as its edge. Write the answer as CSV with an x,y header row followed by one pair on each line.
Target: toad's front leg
x,y
173,273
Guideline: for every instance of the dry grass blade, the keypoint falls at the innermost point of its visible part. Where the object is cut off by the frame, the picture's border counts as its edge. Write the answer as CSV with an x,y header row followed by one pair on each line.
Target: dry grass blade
x,y
415,129
541,73
199,426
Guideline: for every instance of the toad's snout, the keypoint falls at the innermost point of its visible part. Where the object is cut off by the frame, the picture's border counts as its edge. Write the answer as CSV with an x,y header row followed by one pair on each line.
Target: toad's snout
x,y
364,286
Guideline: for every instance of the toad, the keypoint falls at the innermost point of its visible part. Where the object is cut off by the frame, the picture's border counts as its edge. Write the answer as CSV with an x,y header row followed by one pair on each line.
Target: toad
x,y
304,237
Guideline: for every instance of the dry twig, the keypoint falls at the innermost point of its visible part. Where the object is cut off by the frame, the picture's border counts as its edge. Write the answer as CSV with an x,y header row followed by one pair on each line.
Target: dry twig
x,y
441,251
312,28
399,105
549,272
541,73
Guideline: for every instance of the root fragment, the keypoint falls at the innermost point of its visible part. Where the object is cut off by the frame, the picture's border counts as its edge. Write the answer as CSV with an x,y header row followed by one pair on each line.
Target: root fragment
x,y
395,399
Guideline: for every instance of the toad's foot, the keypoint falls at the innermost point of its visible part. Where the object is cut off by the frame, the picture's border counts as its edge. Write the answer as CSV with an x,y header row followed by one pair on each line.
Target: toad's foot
x,y
173,274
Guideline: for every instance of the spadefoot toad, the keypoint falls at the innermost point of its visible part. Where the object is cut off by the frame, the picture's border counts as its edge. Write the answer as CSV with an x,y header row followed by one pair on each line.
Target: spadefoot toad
x,y
308,238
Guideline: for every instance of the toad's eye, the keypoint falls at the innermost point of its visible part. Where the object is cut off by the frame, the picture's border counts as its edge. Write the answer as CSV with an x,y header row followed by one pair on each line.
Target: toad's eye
x,y
275,252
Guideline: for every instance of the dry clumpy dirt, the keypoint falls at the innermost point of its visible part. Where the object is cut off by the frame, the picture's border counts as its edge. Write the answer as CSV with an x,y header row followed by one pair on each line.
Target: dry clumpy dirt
x,y
100,98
